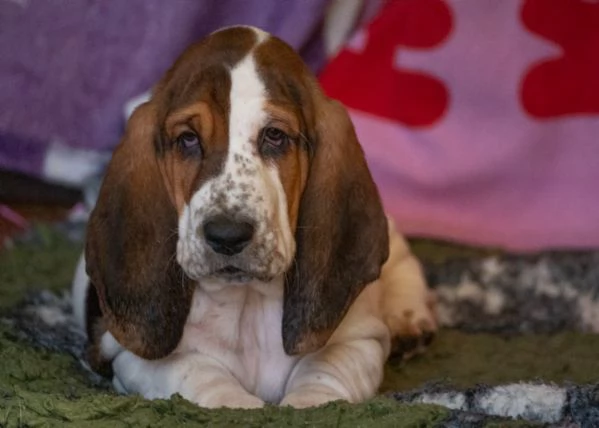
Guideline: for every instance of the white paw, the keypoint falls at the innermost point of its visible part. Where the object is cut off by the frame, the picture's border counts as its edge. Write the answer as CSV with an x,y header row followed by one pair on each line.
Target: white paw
x,y
304,399
232,401
244,402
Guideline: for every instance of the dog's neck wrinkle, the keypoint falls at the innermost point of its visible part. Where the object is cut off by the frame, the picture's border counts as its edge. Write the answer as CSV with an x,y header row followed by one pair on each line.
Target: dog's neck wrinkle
x,y
240,326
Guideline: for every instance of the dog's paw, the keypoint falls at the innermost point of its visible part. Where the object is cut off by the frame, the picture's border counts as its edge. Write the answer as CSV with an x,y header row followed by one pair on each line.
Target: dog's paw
x,y
244,402
231,401
305,399
412,323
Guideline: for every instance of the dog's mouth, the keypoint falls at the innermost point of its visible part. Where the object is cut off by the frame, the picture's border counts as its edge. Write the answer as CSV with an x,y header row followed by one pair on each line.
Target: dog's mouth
x,y
234,274
230,270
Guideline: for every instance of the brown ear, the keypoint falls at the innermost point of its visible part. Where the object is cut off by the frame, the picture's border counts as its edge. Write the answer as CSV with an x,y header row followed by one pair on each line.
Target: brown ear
x,y
131,244
342,237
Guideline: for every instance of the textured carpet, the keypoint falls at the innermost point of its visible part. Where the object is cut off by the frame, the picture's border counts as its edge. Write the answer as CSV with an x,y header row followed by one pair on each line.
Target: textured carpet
x,y
517,349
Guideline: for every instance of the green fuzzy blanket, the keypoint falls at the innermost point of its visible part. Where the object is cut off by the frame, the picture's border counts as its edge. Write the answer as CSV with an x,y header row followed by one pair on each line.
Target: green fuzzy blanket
x,y
44,387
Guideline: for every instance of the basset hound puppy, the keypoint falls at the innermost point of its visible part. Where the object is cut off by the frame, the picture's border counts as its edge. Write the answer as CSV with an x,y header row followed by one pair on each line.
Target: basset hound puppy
x,y
238,253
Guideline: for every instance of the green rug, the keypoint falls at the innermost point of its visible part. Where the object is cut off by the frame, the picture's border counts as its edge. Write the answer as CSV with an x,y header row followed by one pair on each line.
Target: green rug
x,y
42,388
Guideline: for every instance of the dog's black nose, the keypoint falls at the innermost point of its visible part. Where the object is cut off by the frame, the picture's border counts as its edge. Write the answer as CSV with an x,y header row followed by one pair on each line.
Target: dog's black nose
x,y
227,236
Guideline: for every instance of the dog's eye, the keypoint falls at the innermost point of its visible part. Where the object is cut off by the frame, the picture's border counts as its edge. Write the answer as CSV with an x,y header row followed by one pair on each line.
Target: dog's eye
x,y
274,137
189,143
273,140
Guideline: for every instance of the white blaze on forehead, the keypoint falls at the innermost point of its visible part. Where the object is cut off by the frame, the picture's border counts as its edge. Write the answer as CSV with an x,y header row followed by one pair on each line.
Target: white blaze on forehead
x,y
247,99
261,34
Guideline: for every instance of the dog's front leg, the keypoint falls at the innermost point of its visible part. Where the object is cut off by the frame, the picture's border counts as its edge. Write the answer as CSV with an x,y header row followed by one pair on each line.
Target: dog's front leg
x,y
349,367
197,378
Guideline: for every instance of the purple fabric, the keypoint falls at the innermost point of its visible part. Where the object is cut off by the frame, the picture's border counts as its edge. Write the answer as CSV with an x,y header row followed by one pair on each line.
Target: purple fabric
x,y
67,67
21,154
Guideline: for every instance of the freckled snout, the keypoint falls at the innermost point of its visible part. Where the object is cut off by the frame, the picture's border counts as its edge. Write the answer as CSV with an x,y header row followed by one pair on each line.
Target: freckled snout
x,y
227,236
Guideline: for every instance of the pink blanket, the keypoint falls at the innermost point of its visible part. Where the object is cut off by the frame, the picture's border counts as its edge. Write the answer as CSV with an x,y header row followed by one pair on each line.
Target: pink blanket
x,y
480,118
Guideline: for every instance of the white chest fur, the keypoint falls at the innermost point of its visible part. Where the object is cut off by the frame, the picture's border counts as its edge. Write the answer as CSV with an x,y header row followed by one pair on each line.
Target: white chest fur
x,y
240,326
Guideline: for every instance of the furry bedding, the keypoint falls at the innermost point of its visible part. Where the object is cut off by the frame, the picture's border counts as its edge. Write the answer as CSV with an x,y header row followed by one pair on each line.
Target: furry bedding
x,y
518,348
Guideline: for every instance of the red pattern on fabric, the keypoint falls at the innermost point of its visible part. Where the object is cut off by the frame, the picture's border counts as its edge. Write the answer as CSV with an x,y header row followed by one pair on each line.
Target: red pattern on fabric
x,y
371,82
569,84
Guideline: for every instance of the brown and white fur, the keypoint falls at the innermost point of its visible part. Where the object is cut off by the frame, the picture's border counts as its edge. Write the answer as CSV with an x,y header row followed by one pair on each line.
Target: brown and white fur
x,y
298,294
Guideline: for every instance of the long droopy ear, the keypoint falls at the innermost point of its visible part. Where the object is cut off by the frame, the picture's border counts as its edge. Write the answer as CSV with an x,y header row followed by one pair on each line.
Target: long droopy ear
x,y
342,237
143,294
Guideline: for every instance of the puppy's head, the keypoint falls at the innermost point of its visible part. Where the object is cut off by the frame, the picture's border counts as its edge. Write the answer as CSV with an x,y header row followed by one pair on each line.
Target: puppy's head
x,y
238,169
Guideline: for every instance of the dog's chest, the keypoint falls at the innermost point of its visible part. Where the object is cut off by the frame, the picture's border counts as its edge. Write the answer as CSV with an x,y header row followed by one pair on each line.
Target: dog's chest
x,y
240,327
